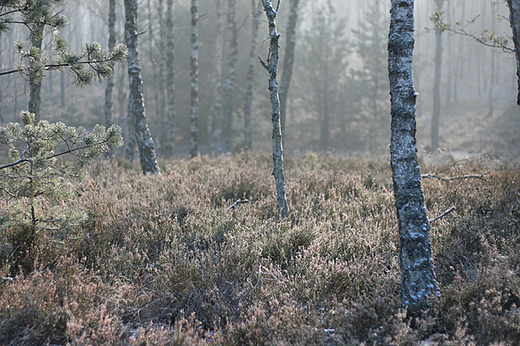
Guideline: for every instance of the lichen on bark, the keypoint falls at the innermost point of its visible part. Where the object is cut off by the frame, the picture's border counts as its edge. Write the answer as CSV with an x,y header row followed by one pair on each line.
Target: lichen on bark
x,y
417,271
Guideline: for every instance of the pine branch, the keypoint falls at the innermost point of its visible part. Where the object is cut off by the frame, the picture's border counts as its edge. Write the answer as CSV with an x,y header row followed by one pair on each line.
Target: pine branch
x,y
50,67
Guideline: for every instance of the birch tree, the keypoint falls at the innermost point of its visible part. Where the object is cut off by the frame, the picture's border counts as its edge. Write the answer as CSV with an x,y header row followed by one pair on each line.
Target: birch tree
x,y
170,79
271,65
256,12
229,85
417,270
324,67
136,108
215,120
194,59
288,61
437,83
111,44
514,20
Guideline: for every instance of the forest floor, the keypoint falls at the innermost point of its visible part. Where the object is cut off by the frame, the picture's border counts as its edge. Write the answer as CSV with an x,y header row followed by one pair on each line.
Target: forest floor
x,y
173,260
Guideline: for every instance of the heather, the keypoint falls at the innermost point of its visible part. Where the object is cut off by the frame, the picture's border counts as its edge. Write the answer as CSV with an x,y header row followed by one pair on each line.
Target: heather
x,y
171,259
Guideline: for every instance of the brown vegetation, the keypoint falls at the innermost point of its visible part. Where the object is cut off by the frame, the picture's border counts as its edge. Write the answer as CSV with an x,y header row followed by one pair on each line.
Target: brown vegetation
x,y
160,261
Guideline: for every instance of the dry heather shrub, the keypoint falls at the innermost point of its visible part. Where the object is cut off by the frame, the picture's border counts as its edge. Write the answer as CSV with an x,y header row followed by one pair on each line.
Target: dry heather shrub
x,y
157,249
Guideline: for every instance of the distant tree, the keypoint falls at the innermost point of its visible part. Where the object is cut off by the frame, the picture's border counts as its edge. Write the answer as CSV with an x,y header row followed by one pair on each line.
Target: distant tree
x,y
417,271
271,65
111,45
136,109
256,12
371,77
215,118
229,85
288,61
437,84
170,79
324,67
194,74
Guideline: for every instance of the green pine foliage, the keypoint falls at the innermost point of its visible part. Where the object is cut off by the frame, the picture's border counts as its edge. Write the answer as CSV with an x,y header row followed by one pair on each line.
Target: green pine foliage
x,y
37,182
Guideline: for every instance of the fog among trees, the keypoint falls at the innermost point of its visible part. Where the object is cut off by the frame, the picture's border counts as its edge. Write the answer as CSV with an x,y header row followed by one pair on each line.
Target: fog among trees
x,y
339,97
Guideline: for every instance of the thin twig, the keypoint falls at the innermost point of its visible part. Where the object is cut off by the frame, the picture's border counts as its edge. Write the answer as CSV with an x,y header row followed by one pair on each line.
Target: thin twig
x,y
468,176
442,215
237,202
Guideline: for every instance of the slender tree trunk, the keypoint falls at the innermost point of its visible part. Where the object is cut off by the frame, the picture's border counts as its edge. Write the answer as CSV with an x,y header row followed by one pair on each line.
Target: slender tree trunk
x,y
2,118
161,95
49,73
417,273
194,59
272,66
229,85
325,120
437,85
170,79
248,138
215,120
136,108
111,44
62,88
35,81
514,20
288,61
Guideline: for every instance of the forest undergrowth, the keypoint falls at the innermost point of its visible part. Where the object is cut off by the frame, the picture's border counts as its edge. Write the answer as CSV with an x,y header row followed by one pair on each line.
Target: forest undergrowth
x,y
171,259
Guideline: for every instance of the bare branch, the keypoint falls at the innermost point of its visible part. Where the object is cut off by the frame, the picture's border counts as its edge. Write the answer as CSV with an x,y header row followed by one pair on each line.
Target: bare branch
x,y
237,202
468,176
442,215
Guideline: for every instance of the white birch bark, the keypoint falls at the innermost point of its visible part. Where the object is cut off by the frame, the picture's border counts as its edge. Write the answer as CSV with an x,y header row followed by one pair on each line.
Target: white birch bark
x,y
194,144
229,85
437,84
514,20
417,270
248,138
170,79
161,95
272,66
2,118
288,61
215,120
136,107
111,44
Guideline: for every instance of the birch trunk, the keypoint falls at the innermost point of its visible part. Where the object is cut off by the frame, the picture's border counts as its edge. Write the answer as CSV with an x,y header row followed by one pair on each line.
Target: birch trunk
x,y
194,144
248,138
136,108
109,104
272,66
417,270
162,68
35,82
288,61
514,20
62,88
215,120
2,118
170,79
437,85
229,85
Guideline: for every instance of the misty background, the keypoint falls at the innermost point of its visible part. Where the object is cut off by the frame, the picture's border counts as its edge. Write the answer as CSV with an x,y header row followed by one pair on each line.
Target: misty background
x,y
339,99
